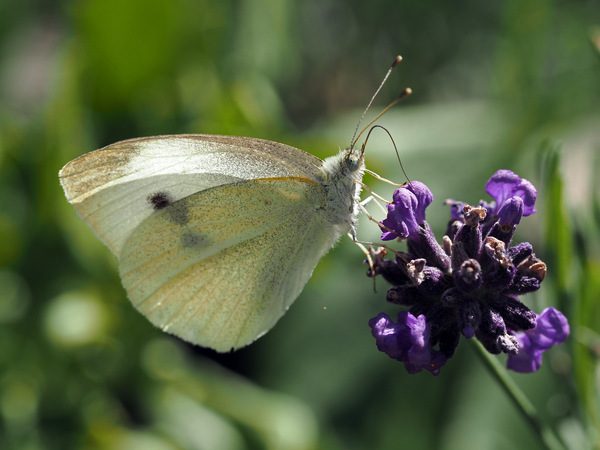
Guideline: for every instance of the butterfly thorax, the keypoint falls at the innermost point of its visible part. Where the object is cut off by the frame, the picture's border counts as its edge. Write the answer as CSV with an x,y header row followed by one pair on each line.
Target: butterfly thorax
x,y
343,173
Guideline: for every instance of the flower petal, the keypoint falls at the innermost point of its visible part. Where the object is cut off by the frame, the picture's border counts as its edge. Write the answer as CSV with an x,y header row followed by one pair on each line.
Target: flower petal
x,y
407,341
406,211
505,184
551,328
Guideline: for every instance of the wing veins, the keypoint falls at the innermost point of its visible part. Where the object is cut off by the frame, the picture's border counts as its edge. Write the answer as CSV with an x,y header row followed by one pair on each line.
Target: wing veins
x,y
260,250
280,285
223,245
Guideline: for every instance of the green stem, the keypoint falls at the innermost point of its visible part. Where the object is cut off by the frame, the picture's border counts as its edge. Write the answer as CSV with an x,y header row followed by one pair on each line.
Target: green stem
x,y
543,430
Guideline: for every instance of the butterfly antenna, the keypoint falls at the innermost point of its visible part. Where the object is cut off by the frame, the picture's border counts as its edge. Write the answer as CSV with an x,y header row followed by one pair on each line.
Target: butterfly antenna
x,y
394,64
362,150
405,93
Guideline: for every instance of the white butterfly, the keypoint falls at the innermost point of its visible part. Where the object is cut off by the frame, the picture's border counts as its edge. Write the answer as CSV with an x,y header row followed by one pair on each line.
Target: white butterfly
x,y
216,235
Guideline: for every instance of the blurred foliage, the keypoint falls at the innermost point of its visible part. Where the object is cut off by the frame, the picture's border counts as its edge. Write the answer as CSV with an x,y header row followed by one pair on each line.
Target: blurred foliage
x,y
510,84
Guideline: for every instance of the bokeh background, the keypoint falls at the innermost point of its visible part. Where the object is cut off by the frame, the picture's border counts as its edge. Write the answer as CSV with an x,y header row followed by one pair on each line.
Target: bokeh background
x,y
509,84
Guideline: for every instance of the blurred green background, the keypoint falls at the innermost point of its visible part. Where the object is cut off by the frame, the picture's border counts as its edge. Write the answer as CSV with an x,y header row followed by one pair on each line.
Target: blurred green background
x,y
510,84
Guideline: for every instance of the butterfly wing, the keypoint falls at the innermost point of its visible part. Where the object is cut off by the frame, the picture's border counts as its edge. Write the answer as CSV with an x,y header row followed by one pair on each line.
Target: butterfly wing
x,y
219,267
116,188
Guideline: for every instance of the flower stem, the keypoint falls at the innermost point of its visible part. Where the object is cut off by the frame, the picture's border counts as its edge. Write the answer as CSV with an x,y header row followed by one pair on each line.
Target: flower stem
x,y
545,433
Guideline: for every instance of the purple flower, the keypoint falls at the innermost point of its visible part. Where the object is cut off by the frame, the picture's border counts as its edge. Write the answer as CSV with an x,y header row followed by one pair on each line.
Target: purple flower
x,y
468,286
504,185
407,341
551,328
406,212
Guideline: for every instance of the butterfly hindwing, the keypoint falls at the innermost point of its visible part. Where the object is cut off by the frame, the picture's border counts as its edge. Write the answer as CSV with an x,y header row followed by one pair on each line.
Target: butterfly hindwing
x,y
219,267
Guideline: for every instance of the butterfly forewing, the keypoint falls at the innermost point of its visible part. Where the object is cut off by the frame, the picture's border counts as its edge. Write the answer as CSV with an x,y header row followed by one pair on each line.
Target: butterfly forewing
x,y
114,188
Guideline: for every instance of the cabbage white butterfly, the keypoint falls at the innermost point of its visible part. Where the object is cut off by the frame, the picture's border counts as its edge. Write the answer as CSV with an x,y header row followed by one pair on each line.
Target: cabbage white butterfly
x,y
216,236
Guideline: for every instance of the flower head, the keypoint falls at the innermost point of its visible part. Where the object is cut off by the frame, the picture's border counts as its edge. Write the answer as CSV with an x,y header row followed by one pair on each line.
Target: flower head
x,y
468,286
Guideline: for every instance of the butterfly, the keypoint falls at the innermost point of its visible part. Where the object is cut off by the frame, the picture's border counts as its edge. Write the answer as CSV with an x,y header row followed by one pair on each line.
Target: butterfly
x,y
216,236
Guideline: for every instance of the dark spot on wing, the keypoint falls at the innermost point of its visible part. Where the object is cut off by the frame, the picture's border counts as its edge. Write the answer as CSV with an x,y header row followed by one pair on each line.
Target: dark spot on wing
x,y
179,212
160,200
191,239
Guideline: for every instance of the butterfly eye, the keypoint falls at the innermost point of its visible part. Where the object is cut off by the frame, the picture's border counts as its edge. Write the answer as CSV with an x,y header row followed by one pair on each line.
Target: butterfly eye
x,y
352,162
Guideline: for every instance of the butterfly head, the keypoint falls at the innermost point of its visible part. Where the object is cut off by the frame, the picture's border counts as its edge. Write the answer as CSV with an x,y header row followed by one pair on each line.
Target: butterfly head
x,y
353,159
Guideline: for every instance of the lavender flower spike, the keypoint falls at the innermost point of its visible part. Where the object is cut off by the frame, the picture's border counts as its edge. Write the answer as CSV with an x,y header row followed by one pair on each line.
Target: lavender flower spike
x,y
551,328
468,286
